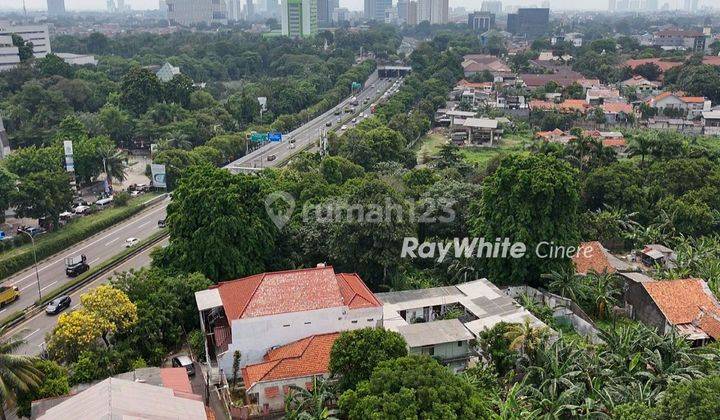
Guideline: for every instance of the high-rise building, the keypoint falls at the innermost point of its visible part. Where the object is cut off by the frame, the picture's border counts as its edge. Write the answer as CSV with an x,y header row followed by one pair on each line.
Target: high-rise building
x,y
481,21
4,142
325,11
37,34
529,22
375,9
9,53
402,10
234,10
439,13
651,4
56,7
249,10
192,12
299,18
412,18
494,7
424,10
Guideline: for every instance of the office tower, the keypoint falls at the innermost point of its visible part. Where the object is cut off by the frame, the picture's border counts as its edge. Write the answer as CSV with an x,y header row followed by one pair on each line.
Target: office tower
x,y
249,10
402,10
424,10
439,12
37,34
412,18
325,11
612,5
531,23
56,7
494,7
4,142
192,12
299,18
234,10
651,4
375,9
481,21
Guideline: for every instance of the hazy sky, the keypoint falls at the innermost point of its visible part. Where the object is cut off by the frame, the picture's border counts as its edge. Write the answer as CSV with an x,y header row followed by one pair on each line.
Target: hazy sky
x,y
351,4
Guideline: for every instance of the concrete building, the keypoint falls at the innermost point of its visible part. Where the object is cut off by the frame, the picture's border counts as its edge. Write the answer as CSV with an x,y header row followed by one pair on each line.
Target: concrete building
x,y
298,363
418,315
4,142
424,10
56,7
481,21
193,12
710,120
341,14
679,39
325,10
689,106
412,18
38,35
494,7
529,22
78,59
9,56
299,18
258,313
375,9
402,10
439,13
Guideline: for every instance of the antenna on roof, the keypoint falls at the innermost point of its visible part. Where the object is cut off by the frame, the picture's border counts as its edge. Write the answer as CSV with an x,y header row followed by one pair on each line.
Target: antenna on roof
x,y
24,9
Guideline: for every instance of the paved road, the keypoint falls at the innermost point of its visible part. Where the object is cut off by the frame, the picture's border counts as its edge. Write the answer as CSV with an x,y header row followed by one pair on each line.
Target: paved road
x,y
311,131
97,248
111,242
33,330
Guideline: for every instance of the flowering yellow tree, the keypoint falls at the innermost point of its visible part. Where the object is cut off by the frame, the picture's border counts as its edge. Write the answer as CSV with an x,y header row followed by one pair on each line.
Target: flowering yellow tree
x,y
111,305
75,331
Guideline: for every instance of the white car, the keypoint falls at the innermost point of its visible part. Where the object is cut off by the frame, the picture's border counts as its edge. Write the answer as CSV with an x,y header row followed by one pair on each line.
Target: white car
x,y
344,127
131,242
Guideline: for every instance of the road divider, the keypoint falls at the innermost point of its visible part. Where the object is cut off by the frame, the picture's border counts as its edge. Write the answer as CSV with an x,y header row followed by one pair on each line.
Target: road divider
x,y
80,281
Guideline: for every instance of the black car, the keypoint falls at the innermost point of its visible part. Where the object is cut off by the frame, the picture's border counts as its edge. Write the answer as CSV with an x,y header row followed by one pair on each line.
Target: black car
x,y
57,305
161,223
186,362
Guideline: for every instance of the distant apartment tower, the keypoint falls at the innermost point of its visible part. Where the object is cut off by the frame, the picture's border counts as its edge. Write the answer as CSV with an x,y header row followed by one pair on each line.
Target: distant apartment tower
x,y
402,10
56,7
412,18
481,21
433,11
249,10
4,142
531,23
651,4
299,18
375,9
38,35
494,7
9,53
325,10
193,12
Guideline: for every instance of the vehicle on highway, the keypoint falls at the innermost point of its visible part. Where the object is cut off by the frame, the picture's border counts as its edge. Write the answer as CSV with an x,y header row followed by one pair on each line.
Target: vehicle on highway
x,y
270,158
337,112
290,146
184,361
366,100
8,294
76,265
131,242
328,124
354,120
105,202
81,209
344,127
348,110
57,305
161,223
354,101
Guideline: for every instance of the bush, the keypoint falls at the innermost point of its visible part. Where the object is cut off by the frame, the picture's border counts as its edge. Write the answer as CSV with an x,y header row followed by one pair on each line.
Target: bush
x,y
121,199
197,345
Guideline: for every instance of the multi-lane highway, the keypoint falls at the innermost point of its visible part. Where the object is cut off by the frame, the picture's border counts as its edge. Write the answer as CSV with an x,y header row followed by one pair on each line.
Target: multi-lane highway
x,y
111,241
33,330
97,248
274,154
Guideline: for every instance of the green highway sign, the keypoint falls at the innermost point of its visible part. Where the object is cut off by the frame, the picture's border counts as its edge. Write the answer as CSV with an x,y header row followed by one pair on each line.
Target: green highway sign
x,y
258,137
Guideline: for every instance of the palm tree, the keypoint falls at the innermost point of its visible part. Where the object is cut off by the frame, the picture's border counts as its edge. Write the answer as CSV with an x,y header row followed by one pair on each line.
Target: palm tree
x,y
303,404
603,291
114,163
567,284
640,145
17,373
525,337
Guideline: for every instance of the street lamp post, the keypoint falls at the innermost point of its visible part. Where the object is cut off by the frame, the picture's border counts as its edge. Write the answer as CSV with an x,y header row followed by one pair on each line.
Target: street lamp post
x,y
37,273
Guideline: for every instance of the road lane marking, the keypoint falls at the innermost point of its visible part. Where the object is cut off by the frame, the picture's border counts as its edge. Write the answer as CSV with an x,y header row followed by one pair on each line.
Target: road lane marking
x,y
143,225
49,284
109,243
29,335
116,230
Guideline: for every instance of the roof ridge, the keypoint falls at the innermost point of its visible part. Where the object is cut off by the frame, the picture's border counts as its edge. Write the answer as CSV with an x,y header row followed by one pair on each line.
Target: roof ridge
x,y
247,302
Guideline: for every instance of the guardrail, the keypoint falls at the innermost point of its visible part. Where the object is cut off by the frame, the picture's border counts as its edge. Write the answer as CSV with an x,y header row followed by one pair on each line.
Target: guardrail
x,y
82,280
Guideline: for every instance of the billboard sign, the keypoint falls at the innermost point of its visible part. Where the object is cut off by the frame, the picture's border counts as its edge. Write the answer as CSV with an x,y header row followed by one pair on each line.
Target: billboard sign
x,y
262,100
356,85
258,137
158,175
275,136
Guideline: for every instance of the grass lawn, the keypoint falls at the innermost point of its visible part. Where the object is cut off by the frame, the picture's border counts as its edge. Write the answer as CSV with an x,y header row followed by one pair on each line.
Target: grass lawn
x,y
429,146
80,224
480,156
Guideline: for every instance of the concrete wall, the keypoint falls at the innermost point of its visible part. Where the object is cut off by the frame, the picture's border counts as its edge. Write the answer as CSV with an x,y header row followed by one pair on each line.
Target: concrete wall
x,y
253,337
277,403
643,308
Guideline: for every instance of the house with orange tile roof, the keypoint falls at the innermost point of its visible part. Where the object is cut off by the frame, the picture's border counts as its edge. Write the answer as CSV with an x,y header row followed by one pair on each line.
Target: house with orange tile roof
x,y
691,106
257,313
686,306
592,257
294,364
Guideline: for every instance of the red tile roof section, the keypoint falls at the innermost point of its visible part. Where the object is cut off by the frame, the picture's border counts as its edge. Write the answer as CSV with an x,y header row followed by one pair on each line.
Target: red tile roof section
x,y
293,291
177,380
710,323
592,256
682,301
307,357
